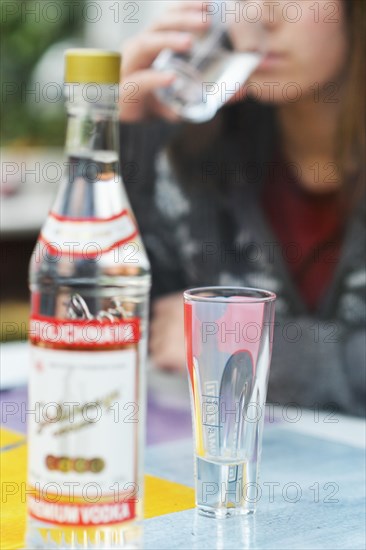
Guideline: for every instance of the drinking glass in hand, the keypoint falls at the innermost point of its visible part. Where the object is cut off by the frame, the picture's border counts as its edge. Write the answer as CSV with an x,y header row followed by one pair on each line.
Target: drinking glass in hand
x,y
218,64
228,335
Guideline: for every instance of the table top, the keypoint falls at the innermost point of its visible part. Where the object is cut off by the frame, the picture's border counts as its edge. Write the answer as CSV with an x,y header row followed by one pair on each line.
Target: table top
x,y
29,183
312,478
313,496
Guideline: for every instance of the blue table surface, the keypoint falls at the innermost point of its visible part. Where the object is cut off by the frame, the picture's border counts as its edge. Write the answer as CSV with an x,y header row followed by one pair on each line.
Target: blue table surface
x,y
312,480
317,499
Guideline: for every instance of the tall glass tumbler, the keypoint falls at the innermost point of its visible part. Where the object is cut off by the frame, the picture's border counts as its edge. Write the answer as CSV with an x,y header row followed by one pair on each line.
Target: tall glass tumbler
x,y
219,63
228,334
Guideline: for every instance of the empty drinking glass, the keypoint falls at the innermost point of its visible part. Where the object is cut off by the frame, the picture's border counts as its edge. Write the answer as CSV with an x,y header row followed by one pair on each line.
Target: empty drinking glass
x,y
228,335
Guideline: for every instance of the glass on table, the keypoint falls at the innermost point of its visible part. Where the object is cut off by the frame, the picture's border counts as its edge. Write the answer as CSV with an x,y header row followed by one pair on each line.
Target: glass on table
x,y
228,333
219,63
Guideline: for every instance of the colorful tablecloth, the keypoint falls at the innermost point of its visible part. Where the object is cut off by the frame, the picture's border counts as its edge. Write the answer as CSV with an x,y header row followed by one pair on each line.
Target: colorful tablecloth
x,y
161,496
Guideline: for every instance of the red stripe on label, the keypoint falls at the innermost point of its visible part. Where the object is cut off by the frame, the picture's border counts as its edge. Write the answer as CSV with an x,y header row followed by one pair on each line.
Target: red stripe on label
x,y
86,334
92,515
94,220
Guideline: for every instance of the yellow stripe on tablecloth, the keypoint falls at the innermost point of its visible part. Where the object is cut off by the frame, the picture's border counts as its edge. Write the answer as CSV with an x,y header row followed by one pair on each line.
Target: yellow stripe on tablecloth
x,y
166,497
8,437
161,496
13,474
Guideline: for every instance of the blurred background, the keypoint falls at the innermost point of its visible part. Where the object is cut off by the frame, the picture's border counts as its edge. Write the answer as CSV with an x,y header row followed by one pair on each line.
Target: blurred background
x,y
34,35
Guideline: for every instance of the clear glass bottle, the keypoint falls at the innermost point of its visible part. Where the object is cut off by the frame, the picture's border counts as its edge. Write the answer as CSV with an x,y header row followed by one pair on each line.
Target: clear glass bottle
x,y
90,284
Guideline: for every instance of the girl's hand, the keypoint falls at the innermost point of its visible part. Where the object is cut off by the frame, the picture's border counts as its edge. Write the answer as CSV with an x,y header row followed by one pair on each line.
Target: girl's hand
x,y
167,333
173,30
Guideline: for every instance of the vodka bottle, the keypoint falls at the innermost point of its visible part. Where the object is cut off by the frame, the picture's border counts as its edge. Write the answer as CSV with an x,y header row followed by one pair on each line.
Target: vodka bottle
x,y
90,283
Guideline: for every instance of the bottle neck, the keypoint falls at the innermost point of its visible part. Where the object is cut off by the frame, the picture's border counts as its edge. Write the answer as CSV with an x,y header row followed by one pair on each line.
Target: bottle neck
x,y
92,186
92,129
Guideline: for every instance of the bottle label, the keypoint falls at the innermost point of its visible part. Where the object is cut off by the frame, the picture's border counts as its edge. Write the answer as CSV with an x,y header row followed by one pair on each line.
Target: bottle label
x,y
84,424
87,237
87,334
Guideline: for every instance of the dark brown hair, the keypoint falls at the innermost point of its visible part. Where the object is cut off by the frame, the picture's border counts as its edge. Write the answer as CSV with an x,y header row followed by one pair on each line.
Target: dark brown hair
x,y
351,142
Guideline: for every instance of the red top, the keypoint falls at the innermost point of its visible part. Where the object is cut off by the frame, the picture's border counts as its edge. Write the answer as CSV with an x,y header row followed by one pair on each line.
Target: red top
x,y
309,228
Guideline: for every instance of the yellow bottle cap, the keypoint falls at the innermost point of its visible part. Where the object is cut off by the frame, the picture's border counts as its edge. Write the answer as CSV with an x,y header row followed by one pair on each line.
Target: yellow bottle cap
x,y
85,65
